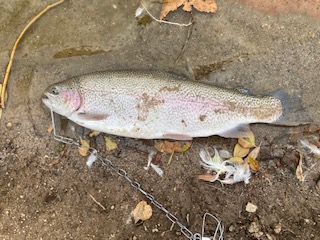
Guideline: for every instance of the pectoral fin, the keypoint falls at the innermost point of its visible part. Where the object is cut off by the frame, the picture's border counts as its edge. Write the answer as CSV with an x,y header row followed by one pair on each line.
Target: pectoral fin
x,y
92,116
237,132
177,136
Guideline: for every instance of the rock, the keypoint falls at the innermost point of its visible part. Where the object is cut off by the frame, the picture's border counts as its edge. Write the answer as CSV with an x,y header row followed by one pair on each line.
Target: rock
x,y
258,234
232,228
277,228
254,227
251,207
270,237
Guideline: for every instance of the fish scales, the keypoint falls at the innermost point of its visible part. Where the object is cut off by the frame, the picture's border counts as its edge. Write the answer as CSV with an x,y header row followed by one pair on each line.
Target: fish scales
x,y
156,104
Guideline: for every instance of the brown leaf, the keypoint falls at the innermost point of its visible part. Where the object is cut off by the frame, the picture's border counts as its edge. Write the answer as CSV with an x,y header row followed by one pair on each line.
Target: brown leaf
x,y
168,6
239,151
84,148
208,6
255,152
50,128
299,172
166,146
142,212
253,163
94,133
247,142
208,177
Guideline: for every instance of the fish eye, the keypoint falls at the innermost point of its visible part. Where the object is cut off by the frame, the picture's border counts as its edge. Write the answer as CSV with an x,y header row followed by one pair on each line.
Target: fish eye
x,y
54,91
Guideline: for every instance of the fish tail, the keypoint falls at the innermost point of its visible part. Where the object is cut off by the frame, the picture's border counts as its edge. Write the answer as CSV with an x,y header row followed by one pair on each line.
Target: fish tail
x,y
293,112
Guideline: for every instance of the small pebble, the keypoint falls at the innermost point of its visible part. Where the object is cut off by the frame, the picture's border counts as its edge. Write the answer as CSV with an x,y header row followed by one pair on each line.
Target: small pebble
x,y
254,227
277,228
9,125
232,228
258,234
251,207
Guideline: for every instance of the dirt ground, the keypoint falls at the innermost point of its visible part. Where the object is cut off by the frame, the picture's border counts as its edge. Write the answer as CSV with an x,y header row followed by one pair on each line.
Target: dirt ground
x,y
45,186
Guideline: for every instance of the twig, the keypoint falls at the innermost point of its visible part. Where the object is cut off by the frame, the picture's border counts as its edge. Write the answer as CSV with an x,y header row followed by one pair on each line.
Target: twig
x,y
221,190
97,202
187,38
162,21
8,70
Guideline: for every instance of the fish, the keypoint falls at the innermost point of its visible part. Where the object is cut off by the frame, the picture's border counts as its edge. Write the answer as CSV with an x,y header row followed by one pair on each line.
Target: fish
x,y
163,105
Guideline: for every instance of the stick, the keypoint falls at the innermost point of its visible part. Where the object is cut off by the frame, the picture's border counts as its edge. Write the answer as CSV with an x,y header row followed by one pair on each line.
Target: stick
x,y
6,76
162,21
187,38
97,202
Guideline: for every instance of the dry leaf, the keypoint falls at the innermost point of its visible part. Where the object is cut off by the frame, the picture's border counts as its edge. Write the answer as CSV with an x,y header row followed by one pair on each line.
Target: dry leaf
x,y
255,152
166,146
237,160
253,163
208,6
168,6
239,151
84,148
142,212
50,128
251,159
94,133
111,144
299,173
208,177
247,142
54,162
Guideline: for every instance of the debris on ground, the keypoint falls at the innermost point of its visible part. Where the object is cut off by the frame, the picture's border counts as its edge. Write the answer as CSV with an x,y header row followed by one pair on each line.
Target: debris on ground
x,y
250,207
155,167
170,147
216,166
208,6
236,168
50,128
315,150
111,144
299,172
142,212
84,148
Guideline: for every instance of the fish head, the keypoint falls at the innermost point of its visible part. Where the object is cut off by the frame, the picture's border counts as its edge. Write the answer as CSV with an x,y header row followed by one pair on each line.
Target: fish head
x,y
63,98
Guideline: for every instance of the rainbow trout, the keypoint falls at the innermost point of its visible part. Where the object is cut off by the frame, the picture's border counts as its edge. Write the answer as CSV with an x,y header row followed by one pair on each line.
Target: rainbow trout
x,y
157,105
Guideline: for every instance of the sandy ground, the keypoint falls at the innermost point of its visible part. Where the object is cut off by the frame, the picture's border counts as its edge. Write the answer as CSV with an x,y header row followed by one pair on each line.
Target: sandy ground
x,y
46,195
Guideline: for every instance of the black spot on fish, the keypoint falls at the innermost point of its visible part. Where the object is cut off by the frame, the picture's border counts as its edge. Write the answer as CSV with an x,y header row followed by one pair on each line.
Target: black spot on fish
x,y
184,122
202,117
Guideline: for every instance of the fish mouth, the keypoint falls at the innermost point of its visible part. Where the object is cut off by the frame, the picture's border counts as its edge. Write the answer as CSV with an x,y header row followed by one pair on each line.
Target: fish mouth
x,y
46,100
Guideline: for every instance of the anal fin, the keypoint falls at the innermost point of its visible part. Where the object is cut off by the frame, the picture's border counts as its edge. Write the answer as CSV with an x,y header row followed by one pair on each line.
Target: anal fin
x,y
239,131
177,136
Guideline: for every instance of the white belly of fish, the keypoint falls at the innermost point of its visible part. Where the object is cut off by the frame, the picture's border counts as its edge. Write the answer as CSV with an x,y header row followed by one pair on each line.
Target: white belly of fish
x,y
154,116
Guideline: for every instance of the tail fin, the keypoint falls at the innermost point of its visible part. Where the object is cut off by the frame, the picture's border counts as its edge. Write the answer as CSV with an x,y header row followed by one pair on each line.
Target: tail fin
x,y
293,113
